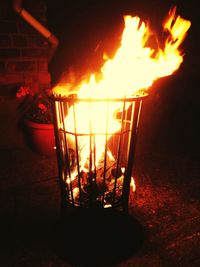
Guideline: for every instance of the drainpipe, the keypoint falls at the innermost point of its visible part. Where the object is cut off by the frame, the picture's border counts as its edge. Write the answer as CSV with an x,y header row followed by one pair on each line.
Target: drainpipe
x,y
52,39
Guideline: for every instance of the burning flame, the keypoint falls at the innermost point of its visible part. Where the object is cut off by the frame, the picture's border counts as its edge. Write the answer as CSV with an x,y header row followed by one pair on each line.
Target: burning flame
x,y
132,184
134,67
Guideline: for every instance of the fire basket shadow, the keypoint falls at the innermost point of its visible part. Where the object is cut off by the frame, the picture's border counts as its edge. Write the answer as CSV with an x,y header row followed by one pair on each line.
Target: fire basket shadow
x,y
92,238
95,141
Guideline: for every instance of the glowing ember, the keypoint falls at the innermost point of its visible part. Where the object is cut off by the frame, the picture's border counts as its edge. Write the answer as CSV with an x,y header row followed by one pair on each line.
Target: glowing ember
x,y
130,72
133,186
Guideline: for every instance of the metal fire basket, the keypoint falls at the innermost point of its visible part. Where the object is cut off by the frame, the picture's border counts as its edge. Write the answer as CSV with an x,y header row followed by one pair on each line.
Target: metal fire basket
x,y
101,179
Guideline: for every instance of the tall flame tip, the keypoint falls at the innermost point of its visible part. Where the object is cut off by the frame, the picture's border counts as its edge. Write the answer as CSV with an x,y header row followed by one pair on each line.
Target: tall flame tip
x,y
135,65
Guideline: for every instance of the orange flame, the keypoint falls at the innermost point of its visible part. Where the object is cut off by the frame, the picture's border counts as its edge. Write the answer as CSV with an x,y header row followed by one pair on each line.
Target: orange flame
x,y
132,184
134,67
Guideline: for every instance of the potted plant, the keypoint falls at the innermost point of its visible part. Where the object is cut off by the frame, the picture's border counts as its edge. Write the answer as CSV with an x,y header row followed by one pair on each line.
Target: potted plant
x,y
36,110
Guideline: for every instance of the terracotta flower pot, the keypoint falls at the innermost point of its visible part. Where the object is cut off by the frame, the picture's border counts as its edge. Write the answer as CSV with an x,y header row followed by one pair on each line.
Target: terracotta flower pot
x,y
41,137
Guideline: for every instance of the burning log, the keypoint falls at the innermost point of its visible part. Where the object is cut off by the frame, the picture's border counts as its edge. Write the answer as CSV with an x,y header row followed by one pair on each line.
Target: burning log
x,y
97,183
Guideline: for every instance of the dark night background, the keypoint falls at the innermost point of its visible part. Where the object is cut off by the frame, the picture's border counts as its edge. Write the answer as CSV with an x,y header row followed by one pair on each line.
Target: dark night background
x,y
82,26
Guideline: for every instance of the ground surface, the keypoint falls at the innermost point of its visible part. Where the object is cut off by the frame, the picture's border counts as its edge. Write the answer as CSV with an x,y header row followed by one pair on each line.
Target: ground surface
x,y
163,228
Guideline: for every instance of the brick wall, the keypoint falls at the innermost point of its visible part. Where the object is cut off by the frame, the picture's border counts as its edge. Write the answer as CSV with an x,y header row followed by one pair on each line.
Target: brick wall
x,y
23,58
24,52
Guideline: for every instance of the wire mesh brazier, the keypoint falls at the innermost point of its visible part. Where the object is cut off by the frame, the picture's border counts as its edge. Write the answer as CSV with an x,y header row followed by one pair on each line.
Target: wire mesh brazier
x,y
95,162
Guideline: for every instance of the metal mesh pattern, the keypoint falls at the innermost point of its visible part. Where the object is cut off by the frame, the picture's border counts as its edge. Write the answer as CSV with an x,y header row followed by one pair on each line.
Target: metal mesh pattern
x,y
95,162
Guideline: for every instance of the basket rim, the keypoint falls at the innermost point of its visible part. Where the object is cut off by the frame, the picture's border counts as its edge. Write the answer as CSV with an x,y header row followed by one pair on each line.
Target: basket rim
x,y
73,98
